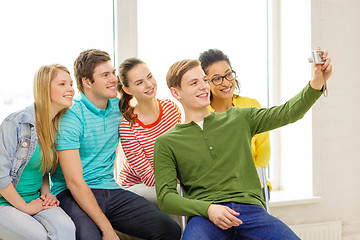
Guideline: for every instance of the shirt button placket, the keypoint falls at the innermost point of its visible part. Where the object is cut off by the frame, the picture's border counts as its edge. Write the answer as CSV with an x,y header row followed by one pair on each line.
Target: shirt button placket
x,y
206,140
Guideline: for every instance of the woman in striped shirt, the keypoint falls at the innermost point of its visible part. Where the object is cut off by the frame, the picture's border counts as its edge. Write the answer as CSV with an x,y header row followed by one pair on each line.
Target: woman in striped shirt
x,y
141,125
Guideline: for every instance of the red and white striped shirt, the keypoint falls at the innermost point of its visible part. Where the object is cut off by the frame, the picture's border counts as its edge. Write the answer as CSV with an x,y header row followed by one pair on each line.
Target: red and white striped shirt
x,y
138,144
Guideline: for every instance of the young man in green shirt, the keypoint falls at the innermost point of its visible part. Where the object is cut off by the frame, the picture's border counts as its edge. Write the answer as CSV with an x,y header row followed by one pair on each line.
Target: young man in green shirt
x,y
210,154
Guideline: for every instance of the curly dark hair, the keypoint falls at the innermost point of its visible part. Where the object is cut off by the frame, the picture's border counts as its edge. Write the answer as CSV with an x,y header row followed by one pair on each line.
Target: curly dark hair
x,y
212,56
208,57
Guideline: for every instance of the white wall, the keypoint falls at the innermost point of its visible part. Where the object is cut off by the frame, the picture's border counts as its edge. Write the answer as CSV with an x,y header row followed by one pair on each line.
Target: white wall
x,y
336,123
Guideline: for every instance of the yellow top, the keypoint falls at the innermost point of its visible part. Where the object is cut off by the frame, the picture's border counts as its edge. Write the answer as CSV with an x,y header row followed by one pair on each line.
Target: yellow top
x,y
260,143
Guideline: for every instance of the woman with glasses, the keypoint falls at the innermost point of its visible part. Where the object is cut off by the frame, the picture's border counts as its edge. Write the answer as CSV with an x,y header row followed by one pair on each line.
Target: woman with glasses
x,y
141,125
223,83
27,155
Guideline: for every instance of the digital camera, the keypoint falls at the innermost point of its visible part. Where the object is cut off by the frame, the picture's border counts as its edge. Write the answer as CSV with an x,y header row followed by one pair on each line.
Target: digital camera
x,y
317,57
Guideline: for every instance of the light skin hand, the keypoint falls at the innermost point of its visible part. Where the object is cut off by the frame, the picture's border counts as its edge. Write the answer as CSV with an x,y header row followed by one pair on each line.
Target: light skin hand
x,y
223,216
49,200
110,235
13,197
35,206
321,72
45,195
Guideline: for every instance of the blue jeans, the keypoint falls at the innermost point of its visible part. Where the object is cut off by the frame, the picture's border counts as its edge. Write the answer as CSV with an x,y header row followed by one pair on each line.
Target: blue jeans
x,y
127,212
257,224
51,223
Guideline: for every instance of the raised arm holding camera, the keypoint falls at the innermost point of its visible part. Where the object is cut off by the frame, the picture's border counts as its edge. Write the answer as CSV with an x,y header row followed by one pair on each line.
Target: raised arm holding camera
x,y
211,156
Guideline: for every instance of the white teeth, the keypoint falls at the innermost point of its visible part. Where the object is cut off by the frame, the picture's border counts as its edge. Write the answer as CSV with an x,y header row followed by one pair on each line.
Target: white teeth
x,y
150,91
202,95
226,89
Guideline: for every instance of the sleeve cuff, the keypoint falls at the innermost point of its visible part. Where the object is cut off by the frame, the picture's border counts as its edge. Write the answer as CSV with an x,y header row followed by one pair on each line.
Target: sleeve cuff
x,y
68,146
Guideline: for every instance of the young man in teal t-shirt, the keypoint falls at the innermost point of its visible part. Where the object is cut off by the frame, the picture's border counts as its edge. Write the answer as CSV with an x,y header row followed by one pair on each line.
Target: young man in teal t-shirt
x,y
86,143
210,154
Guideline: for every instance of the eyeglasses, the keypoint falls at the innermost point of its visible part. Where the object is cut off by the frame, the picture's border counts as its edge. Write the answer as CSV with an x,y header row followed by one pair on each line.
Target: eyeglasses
x,y
219,79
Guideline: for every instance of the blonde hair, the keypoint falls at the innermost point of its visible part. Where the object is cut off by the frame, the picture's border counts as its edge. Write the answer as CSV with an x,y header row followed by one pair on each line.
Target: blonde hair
x,y
46,126
178,70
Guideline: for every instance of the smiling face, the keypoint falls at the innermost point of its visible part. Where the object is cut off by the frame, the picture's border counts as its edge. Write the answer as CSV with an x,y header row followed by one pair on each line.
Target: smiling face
x,y
194,93
141,83
104,86
226,89
61,91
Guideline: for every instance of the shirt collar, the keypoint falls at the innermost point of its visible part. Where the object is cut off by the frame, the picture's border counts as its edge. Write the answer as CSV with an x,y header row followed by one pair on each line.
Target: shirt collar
x,y
95,109
29,116
206,119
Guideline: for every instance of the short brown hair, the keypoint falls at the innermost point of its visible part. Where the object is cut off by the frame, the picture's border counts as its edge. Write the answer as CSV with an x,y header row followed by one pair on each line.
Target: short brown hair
x,y
86,63
178,70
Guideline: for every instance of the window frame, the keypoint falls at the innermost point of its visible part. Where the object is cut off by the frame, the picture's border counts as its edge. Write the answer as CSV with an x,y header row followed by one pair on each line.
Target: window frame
x,y
127,39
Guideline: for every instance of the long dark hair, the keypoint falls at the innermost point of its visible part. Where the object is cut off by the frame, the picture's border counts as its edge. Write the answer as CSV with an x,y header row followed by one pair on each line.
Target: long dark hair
x,y
124,104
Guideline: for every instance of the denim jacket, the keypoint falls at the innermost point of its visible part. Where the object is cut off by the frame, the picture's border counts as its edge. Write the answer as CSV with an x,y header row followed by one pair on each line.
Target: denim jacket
x,y
18,141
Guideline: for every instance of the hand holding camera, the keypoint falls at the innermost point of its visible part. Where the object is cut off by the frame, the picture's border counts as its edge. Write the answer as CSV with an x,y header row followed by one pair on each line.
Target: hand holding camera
x,y
322,69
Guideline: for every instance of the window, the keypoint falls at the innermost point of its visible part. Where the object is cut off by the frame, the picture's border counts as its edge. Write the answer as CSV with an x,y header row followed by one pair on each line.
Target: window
x,y
169,31
290,71
267,43
35,33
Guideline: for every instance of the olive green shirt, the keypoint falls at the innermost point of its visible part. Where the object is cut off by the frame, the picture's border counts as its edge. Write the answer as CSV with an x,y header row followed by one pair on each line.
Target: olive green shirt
x,y
215,164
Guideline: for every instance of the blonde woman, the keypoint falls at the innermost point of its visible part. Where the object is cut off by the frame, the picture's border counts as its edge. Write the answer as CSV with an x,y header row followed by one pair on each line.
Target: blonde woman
x,y
27,156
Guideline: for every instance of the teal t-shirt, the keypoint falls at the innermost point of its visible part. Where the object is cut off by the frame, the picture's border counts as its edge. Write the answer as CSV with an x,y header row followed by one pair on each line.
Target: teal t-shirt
x,y
95,132
30,181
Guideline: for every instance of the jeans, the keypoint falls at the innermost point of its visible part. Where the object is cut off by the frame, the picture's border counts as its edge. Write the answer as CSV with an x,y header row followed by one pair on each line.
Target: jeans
x,y
51,223
127,212
257,224
149,193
